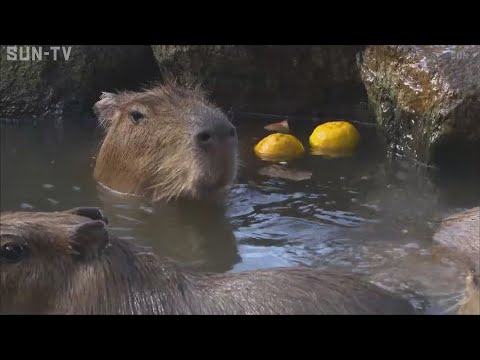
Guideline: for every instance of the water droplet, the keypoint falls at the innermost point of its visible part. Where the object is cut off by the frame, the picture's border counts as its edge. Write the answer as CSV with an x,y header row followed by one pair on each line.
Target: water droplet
x,y
53,201
76,188
26,206
147,209
412,246
364,178
48,186
128,238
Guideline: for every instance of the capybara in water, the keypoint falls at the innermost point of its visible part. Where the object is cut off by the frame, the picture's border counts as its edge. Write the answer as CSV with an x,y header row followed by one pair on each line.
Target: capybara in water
x,y
164,143
68,263
461,233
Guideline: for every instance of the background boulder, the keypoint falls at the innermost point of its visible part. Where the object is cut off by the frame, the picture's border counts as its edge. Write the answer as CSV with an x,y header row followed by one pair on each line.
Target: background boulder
x,y
426,99
68,85
267,78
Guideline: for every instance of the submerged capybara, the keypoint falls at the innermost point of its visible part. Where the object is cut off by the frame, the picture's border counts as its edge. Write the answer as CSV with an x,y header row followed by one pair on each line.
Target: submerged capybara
x,y
164,143
193,232
460,232
69,263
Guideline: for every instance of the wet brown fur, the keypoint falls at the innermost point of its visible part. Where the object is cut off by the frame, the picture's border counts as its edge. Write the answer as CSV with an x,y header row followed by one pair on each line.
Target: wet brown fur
x,y
461,233
470,305
157,157
128,279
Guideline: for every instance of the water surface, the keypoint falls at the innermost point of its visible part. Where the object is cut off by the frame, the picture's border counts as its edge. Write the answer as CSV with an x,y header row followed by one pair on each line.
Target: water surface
x,y
369,214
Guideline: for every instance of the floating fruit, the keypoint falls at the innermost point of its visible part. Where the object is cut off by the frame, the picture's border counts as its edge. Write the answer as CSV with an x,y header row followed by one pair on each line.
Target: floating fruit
x,y
334,138
279,147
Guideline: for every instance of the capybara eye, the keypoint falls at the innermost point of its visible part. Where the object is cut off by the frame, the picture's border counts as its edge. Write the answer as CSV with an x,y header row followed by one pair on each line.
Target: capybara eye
x,y
13,252
136,116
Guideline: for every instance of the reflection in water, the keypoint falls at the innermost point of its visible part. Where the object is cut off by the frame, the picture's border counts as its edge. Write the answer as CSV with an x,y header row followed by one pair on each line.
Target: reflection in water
x,y
365,213
196,233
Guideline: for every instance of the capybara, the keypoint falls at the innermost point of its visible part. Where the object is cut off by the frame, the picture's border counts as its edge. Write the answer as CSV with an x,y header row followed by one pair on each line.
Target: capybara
x,y
461,233
68,263
165,142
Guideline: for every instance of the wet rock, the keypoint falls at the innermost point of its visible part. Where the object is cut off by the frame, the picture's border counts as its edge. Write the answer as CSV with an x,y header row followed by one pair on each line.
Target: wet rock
x,y
269,78
426,99
56,87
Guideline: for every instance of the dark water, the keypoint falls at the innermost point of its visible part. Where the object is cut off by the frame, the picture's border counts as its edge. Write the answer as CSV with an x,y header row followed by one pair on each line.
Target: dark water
x,y
368,214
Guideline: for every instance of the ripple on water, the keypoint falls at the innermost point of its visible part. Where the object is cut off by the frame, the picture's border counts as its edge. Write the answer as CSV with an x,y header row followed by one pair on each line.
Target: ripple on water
x,y
244,198
367,215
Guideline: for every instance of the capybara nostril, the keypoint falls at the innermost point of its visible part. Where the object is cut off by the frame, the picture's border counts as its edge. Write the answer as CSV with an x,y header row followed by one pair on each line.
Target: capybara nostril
x,y
204,138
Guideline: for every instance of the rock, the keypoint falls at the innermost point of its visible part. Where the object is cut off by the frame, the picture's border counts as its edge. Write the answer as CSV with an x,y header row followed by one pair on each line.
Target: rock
x,y
426,99
71,83
267,78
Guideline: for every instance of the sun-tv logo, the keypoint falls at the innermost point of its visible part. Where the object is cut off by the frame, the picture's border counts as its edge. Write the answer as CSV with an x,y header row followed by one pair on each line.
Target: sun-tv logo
x,y
38,53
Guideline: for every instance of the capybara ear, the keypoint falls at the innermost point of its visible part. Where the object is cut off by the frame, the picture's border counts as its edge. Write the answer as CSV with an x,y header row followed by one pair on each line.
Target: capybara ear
x,y
105,108
93,213
89,239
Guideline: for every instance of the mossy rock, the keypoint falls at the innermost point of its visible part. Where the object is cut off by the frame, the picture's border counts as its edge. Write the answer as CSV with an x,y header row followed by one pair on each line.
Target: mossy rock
x,y
267,78
426,99
55,89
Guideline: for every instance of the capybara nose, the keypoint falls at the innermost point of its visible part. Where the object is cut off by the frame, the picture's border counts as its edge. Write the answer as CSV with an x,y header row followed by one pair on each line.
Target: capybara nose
x,y
219,134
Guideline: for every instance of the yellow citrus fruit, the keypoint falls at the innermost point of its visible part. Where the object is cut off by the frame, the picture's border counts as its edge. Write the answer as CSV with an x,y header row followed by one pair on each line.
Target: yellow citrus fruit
x,y
279,146
334,137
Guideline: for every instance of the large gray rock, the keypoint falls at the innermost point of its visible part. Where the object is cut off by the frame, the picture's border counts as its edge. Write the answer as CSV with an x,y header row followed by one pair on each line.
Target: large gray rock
x,y
426,99
267,78
55,88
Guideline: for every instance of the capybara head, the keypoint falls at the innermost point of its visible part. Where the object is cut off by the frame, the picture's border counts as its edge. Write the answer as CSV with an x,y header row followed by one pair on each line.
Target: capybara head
x,y
165,142
40,250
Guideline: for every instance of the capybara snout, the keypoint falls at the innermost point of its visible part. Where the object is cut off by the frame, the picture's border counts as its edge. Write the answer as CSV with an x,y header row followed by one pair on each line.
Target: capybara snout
x,y
216,134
